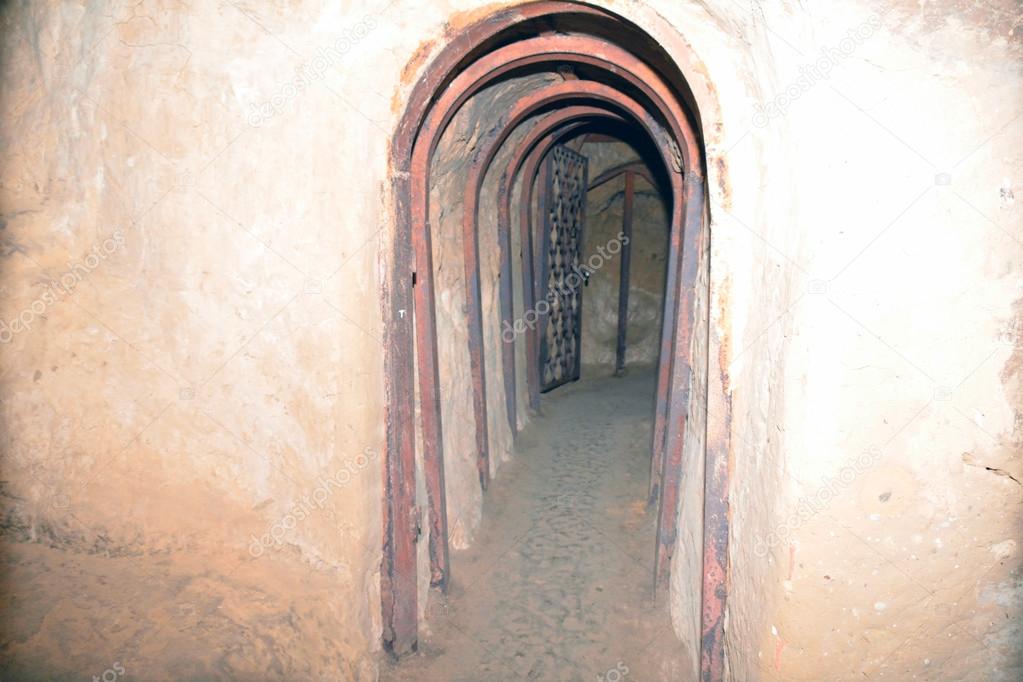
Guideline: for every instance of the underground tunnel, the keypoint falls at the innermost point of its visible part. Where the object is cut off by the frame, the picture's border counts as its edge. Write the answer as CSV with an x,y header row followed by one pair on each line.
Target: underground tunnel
x,y
547,340
526,106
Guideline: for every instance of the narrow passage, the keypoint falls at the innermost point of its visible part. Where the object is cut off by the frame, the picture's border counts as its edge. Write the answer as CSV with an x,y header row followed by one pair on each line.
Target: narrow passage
x,y
557,584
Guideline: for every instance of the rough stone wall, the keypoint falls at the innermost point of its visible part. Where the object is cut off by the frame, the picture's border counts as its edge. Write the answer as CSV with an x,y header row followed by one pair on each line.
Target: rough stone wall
x,y
650,226
904,531
866,265
192,391
179,394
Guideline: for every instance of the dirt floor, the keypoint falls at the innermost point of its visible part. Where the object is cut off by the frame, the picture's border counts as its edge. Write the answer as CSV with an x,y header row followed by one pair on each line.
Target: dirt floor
x,y
558,583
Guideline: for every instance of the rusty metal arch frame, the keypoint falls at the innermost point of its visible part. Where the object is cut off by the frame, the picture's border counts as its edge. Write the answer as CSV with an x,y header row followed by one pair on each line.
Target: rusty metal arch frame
x,y
668,438
556,126
637,167
563,48
408,247
667,522
482,159
663,457
620,62
528,154
542,50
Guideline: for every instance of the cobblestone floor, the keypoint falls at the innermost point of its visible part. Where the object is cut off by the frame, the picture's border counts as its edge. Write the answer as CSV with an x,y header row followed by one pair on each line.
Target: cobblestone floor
x,y
557,584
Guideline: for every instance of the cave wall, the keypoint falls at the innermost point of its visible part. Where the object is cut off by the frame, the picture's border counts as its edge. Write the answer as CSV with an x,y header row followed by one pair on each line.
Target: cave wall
x,y
650,224
192,392
865,277
196,228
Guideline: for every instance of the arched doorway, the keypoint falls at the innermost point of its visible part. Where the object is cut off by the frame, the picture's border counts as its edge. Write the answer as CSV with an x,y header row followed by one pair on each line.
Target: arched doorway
x,y
611,69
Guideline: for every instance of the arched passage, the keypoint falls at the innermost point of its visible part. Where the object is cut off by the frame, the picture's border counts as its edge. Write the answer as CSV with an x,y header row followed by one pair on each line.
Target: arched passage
x,y
610,64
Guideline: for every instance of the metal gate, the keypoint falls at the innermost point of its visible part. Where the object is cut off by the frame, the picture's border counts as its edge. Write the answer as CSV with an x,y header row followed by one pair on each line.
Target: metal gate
x,y
562,274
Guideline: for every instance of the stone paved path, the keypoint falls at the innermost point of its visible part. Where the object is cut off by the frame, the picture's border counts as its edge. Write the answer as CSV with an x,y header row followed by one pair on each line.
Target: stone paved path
x,y
557,584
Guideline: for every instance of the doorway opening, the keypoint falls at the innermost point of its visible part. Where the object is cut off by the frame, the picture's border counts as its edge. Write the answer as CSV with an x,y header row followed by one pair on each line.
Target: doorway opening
x,y
544,78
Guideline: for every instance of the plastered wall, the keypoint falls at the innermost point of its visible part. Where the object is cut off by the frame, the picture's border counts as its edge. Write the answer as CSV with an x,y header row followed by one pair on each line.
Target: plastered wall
x,y
192,397
649,245
866,314
195,226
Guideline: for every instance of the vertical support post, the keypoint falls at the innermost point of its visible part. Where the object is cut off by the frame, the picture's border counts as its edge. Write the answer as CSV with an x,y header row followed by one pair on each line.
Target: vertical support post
x,y
507,305
398,588
717,479
539,276
542,202
429,395
545,221
529,290
623,279
474,314
691,245
666,364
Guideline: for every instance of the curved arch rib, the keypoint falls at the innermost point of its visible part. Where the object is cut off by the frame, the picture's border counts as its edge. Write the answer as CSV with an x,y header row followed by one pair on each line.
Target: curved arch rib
x,y
534,145
398,570
567,48
524,108
554,126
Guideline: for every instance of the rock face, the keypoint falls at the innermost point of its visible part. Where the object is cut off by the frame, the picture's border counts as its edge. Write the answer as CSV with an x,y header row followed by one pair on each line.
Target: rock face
x,y
195,230
647,267
192,387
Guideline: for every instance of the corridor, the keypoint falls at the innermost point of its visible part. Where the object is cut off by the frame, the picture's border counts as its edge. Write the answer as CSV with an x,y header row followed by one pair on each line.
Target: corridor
x,y
557,583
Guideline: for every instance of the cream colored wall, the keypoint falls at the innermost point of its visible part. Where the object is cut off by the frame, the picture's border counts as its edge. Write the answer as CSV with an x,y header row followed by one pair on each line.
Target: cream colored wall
x,y
868,312
195,379
215,378
603,224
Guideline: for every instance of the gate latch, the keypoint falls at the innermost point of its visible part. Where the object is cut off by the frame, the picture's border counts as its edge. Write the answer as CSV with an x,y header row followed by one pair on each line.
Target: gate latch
x,y
417,522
